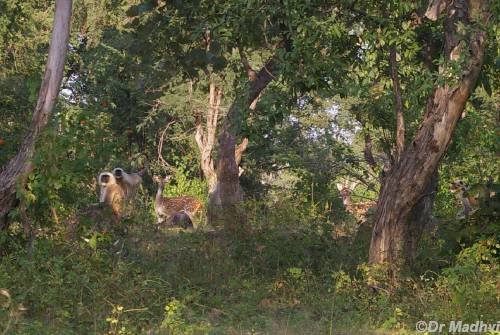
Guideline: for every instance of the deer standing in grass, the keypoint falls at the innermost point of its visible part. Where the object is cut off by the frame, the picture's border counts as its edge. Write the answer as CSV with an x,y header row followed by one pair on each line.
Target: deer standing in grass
x,y
175,210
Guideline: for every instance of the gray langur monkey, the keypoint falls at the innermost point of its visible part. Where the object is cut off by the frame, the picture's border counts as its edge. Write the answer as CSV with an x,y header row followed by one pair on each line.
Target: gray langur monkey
x,y
129,182
111,193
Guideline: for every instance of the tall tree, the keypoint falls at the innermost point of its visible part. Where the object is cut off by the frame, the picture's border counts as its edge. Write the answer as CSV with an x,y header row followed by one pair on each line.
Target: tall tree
x,y
207,46
206,138
227,194
47,97
464,48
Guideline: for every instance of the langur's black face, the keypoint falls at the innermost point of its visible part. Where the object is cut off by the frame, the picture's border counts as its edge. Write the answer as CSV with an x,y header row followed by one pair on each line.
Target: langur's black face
x,y
118,173
104,179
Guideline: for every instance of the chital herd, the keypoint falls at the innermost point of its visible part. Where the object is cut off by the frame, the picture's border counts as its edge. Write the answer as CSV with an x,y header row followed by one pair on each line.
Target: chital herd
x,y
118,187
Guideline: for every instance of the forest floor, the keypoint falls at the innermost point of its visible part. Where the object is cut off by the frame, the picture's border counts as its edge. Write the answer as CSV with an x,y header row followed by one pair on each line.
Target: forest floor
x,y
273,281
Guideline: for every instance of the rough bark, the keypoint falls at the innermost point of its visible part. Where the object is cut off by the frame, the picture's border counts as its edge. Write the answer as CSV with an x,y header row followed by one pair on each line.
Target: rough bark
x,y
226,196
47,96
434,9
410,176
420,219
421,214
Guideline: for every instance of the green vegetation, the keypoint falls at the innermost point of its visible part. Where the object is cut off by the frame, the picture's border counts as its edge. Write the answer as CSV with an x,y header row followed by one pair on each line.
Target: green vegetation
x,y
141,80
286,278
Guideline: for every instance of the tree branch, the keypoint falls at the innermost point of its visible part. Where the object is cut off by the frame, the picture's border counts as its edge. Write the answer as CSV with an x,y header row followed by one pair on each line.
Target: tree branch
x,y
162,160
200,137
367,152
264,77
240,149
398,101
252,75
206,141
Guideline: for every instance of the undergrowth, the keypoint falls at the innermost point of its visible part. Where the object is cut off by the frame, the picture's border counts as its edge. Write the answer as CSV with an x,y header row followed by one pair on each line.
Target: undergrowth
x,y
297,277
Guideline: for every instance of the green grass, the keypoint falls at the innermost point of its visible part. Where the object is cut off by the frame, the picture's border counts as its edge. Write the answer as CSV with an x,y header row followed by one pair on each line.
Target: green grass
x,y
275,281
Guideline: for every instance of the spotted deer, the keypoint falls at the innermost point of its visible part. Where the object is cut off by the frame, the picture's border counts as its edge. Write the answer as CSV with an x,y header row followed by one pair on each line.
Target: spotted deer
x,y
175,210
358,210
476,197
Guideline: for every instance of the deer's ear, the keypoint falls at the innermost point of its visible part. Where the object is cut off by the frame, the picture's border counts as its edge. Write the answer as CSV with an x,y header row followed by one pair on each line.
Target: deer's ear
x,y
340,187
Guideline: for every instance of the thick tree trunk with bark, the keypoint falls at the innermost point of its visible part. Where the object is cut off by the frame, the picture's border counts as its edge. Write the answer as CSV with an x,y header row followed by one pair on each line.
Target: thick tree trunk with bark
x,y
47,97
420,219
224,199
411,175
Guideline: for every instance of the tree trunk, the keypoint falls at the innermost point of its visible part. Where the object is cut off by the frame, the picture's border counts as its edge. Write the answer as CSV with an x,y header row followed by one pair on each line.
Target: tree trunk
x,y
420,218
47,96
224,199
410,176
206,139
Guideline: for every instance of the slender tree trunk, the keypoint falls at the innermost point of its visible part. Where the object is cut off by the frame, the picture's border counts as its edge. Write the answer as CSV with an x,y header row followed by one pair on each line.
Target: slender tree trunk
x,y
411,175
400,123
206,138
47,96
224,199
368,153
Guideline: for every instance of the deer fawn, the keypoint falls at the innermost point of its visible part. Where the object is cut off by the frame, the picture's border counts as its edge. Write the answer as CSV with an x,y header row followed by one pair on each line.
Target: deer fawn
x,y
175,210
